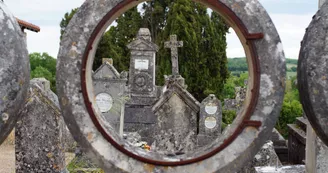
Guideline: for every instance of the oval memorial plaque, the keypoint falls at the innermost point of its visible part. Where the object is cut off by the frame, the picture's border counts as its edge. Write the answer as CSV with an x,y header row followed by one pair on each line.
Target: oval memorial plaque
x,y
210,109
210,122
104,102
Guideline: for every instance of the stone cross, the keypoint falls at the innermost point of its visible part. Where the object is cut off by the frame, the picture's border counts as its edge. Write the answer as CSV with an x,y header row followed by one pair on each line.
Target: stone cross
x,y
173,44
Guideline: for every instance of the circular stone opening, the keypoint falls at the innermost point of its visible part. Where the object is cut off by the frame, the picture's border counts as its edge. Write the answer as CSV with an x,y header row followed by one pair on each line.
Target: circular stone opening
x,y
245,136
241,121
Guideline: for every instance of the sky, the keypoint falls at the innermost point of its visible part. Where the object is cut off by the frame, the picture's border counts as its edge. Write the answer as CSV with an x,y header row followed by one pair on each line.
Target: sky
x,y
291,18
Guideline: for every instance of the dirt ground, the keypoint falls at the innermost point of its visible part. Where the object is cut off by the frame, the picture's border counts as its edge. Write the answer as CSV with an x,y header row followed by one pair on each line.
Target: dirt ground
x,y
7,158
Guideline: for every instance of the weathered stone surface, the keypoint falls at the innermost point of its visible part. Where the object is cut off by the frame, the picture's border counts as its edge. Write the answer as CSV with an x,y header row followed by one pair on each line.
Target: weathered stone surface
x,y
39,145
210,120
14,71
173,44
177,112
265,157
297,141
142,88
312,73
316,159
280,146
142,66
283,169
240,151
237,103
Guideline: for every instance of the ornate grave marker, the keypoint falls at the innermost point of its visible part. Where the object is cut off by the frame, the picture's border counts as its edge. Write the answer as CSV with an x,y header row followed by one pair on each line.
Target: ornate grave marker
x,y
14,71
210,120
173,44
142,88
176,126
241,142
110,88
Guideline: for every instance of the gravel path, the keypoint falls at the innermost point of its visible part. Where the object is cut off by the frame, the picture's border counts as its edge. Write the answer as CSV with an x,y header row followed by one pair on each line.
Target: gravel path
x,y
7,159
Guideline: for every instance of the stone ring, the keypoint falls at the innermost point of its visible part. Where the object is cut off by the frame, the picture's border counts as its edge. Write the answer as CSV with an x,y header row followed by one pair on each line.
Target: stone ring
x,y
312,73
240,143
14,71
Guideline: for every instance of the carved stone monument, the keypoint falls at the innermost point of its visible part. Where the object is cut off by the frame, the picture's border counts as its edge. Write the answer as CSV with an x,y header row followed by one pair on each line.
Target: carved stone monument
x,y
142,69
109,87
173,44
176,112
39,134
141,85
210,120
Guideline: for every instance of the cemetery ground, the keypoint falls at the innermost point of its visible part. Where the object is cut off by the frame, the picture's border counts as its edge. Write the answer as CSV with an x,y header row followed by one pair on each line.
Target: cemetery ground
x,y
7,157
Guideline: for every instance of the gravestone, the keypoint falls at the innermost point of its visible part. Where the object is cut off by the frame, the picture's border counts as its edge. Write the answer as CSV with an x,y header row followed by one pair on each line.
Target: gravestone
x,y
173,44
316,160
14,71
297,141
236,104
142,69
38,142
110,87
177,113
142,89
210,120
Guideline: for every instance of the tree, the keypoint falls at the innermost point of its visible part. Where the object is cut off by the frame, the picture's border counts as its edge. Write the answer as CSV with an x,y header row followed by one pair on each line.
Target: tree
x,y
204,37
43,65
204,48
65,21
114,42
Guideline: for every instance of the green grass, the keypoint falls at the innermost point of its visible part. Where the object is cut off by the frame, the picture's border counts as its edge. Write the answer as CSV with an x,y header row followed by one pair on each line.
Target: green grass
x,y
291,74
83,165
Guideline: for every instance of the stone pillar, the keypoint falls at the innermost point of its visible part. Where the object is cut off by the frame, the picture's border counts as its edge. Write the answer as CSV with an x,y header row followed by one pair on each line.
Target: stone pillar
x,y
210,120
316,160
39,146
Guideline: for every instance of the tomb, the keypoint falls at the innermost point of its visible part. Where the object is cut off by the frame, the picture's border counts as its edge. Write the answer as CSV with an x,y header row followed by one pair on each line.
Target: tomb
x,y
141,85
110,87
39,143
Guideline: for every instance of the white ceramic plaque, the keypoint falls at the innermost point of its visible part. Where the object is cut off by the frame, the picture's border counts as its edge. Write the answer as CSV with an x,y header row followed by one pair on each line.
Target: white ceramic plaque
x,y
104,102
141,64
210,122
210,109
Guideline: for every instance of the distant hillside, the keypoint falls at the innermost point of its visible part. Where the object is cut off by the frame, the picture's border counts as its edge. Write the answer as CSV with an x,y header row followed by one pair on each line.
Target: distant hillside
x,y
238,65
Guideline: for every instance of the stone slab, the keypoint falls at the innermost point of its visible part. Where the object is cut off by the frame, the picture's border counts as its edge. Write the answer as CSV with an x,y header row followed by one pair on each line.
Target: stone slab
x,y
38,135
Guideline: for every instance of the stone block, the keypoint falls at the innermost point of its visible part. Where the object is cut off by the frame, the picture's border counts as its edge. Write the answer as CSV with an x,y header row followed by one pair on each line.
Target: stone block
x,y
316,160
283,169
39,144
265,157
